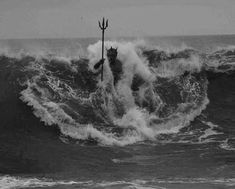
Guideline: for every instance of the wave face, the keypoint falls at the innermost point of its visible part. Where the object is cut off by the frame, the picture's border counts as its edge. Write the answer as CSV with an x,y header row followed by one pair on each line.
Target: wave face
x,y
160,93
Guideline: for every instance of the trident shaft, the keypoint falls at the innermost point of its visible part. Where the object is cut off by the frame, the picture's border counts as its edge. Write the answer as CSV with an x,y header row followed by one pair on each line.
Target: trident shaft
x,y
103,27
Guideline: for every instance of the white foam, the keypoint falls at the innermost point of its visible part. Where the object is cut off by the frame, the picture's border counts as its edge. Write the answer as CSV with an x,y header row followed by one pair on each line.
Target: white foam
x,y
214,181
176,67
136,184
164,183
50,113
226,146
10,182
208,132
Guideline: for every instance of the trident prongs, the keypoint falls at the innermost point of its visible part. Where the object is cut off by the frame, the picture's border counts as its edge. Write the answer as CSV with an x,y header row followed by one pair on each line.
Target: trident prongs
x,y
104,26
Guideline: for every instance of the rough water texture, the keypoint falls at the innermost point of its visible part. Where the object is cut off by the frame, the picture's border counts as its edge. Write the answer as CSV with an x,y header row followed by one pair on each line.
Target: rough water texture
x,y
171,106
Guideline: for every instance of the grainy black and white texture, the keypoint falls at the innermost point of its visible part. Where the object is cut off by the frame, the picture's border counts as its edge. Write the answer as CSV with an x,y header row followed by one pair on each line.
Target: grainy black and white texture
x,y
166,122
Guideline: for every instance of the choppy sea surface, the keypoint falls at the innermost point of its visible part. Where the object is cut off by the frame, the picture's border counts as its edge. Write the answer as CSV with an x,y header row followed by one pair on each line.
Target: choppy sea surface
x,y
168,123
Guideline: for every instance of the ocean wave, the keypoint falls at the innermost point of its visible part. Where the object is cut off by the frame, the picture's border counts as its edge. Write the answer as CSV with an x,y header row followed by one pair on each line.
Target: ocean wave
x,y
160,92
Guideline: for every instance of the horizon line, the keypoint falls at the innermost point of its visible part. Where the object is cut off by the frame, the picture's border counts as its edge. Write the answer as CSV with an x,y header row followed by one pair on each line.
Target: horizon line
x,y
117,37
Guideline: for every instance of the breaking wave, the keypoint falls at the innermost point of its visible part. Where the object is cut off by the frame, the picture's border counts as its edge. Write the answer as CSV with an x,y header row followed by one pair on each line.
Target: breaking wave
x,y
160,91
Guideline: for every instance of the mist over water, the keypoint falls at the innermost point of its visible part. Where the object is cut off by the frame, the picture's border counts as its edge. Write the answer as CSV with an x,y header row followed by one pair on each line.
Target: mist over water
x,y
158,127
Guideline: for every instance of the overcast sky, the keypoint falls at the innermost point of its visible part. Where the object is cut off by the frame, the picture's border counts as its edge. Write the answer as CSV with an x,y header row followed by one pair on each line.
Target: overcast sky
x,y
78,18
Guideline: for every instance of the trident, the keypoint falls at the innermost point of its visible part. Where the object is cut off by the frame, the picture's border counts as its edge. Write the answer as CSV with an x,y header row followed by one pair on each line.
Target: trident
x,y
103,27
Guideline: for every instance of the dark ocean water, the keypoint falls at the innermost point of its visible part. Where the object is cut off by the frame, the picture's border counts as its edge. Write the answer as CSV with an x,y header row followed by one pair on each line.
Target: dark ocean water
x,y
169,123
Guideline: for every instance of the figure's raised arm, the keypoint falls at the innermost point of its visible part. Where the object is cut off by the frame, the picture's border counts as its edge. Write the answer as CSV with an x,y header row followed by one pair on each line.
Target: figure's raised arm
x,y
98,64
